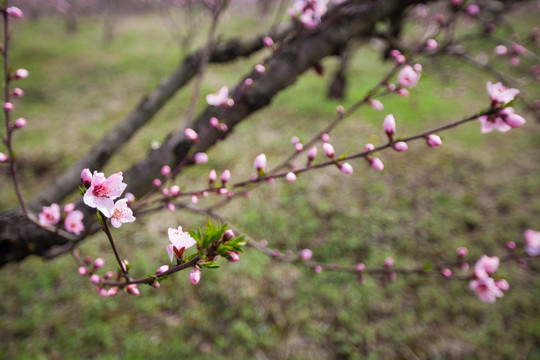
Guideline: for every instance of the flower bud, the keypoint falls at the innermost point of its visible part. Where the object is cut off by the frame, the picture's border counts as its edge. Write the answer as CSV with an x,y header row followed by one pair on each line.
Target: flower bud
x,y
195,275
431,44
191,134
162,270
360,267
214,122
312,153
376,104
260,162
260,68
389,125
329,150
200,158
170,207
103,293
318,269
108,275
325,137
462,251
194,199
225,176
248,81
17,92
14,12
401,146
95,279
112,291
165,170
501,50
3,157
376,163
69,207
21,74
228,235
389,261
268,42
19,123
82,271
433,140
156,182
130,197
175,190
212,176
298,147
86,178
8,106
232,256
99,262
291,177
133,290
306,254
446,273
346,168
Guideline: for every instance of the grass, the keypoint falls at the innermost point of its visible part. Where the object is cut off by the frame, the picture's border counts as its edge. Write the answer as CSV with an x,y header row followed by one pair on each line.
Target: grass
x,y
478,191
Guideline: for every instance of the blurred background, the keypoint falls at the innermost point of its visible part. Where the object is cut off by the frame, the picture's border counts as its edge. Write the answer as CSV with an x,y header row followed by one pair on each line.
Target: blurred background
x,y
91,62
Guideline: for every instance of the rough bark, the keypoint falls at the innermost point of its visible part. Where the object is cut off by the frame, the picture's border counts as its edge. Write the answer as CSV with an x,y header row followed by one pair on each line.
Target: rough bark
x,y
300,52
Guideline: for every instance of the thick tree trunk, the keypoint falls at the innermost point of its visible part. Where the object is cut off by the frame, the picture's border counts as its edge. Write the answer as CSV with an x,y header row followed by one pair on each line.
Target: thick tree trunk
x,y
19,237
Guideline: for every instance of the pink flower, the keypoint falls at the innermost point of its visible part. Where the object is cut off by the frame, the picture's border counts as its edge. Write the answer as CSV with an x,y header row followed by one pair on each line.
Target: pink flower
x,y
225,176
17,92
200,158
473,10
83,271
389,125
401,146
73,222
191,134
21,74
8,106
14,12
133,289
431,44
99,262
260,162
532,240
268,42
121,213
3,157
291,177
408,77
433,140
69,207
346,168
95,279
306,254
329,150
312,153
376,104
220,98
86,178
486,266
493,122
501,50
499,94
19,123
513,120
486,290
195,275
165,170
212,176
102,192
375,163
180,241
50,215
162,270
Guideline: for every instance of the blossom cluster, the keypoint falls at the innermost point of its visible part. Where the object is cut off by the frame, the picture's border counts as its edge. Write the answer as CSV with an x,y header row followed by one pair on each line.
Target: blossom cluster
x,y
73,219
503,118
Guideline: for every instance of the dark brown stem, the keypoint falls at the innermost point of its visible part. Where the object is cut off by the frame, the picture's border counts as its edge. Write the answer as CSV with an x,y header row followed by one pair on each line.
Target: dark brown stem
x,y
107,231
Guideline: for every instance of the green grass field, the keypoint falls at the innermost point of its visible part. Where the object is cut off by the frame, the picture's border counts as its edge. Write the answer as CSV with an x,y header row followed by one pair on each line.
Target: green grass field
x,y
476,190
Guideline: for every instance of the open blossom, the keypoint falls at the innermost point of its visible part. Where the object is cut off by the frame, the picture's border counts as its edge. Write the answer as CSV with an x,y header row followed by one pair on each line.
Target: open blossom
x,y
500,94
180,241
532,240
103,191
408,77
493,122
220,98
121,213
486,289
50,215
73,222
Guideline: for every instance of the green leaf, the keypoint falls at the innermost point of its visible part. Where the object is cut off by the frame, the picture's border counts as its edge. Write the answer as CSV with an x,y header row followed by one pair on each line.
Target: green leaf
x,y
82,190
427,267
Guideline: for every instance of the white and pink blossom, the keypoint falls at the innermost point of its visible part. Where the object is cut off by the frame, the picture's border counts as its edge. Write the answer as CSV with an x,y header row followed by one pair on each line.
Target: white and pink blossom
x,y
103,191
50,215
486,266
493,122
500,94
486,289
121,213
180,241
73,222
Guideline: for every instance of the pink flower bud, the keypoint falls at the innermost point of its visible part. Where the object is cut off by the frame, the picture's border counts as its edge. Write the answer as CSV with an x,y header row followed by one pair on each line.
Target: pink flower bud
x,y
391,87
165,170
329,150
295,140
446,273
369,147
88,260
403,92
439,18
268,42
95,279
232,256
400,146
170,207
214,122
298,147
212,176
290,177
400,59
248,81
360,267
99,262
156,182
82,271
431,44
108,275
17,92
501,50
340,109
69,207
514,61
194,199
228,235
394,52
376,104
389,261
433,140
8,106
225,176
306,254
156,285
103,293
312,153
112,291
162,270
175,190
223,127
457,2
260,68
195,275
200,158
502,284
389,125
318,269
130,197
133,289
462,251
260,162
346,168
3,157
21,74
19,123
14,12
191,135
325,137
165,192
511,245
376,163
86,178
473,10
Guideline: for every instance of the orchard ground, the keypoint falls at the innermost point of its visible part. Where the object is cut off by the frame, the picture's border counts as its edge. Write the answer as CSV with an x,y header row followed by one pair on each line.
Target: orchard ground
x,y
478,191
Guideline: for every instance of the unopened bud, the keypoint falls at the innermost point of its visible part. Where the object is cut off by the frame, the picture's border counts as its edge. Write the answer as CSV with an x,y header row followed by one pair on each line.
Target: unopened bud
x,y
165,170
195,275
329,150
95,279
86,178
21,74
191,135
17,92
232,256
225,176
312,153
200,158
133,289
401,146
212,176
99,262
162,270
291,177
306,254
